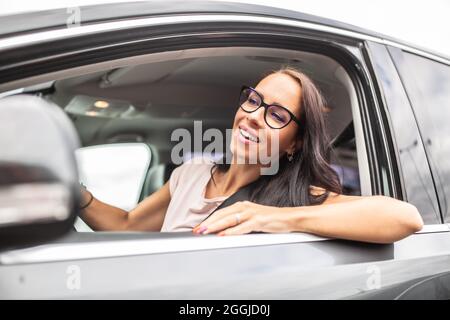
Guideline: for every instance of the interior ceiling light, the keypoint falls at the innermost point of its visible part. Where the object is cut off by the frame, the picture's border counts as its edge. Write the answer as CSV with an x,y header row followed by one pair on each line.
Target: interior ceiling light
x,y
102,104
91,113
96,106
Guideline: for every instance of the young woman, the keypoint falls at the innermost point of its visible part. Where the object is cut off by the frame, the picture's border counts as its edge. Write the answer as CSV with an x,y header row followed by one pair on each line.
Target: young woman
x,y
304,195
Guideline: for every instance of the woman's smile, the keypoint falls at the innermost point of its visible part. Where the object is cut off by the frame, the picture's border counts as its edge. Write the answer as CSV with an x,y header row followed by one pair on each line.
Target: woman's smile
x,y
247,135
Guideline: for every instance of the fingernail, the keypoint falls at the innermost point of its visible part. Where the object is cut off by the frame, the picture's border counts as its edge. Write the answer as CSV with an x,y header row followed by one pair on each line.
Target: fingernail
x,y
221,234
202,229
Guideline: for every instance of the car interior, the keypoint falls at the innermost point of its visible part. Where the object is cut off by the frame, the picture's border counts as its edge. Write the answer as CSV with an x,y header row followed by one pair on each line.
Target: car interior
x,y
145,99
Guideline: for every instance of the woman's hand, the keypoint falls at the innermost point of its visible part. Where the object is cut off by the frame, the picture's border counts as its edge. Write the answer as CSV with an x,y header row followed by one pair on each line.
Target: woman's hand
x,y
245,217
376,219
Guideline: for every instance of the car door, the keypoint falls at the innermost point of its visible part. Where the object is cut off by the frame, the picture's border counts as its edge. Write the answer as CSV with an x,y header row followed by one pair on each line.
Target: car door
x,y
182,265
419,185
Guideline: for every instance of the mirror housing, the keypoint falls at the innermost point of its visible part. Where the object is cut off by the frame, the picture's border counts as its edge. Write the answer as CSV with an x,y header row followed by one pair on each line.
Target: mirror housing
x,y
39,189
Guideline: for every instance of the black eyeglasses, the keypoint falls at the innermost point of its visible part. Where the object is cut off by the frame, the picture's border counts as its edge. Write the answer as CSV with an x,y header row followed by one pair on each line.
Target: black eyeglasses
x,y
275,116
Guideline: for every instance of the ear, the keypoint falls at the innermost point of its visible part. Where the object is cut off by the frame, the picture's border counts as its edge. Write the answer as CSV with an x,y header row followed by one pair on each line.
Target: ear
x,y
294,146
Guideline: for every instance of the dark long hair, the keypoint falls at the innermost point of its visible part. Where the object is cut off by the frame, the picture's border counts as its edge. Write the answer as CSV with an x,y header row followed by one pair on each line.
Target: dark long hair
x,y
310,165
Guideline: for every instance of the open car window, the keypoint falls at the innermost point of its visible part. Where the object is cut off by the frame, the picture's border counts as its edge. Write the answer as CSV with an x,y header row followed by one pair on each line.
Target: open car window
x,y
144,103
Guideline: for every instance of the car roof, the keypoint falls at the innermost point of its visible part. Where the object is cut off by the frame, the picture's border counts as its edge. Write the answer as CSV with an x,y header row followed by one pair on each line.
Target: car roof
x,y
56,18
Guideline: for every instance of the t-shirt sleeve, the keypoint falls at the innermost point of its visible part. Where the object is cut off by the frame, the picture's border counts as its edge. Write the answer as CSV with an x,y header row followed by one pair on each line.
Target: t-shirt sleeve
x,y
174,179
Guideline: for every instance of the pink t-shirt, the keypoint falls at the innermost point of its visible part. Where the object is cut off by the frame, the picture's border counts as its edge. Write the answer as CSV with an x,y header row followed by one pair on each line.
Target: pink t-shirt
x,y
188,205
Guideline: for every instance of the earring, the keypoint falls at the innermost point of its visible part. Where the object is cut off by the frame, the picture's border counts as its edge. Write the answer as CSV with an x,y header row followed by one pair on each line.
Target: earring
x,y
290,156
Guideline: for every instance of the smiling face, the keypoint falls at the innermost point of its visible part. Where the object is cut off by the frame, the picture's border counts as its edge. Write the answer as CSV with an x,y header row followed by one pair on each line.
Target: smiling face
x,y
251,133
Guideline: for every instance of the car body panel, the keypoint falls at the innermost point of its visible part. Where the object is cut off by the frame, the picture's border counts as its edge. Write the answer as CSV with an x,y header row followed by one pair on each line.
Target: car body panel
x,y
321,269
54,19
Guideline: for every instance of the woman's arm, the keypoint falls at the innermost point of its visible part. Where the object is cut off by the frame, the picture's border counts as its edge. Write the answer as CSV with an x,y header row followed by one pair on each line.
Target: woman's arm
x,y
377,219
147,216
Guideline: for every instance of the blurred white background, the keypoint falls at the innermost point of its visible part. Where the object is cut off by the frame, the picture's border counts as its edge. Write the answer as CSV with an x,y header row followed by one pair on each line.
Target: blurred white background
x,y
425,23
114,173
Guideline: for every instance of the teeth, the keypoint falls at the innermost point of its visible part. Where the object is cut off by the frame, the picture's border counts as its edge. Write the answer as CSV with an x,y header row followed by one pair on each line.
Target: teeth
x,y
247,135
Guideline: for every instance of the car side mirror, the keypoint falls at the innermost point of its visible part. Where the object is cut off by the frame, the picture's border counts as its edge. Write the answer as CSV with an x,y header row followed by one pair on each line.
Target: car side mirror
x,y
39,190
